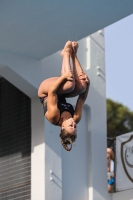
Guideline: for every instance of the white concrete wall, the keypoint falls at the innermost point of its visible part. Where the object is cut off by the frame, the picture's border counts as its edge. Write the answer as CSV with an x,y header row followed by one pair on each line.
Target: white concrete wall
x,y
23,72
80,174
75,164
53,160
84,169
97,102
37,152
123,195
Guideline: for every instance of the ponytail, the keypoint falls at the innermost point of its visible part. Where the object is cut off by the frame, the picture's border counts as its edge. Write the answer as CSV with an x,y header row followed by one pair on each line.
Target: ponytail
x,y
67,139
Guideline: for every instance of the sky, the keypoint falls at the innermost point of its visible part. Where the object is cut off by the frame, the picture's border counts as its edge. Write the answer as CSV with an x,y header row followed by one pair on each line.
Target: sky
x,y
119,61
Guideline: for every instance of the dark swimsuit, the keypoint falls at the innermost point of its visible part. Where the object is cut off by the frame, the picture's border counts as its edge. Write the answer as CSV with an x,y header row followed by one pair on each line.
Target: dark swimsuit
x,y
62,105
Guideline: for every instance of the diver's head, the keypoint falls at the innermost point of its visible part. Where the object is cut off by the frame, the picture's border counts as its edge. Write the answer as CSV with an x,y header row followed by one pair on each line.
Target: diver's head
x,y
69,125
68,133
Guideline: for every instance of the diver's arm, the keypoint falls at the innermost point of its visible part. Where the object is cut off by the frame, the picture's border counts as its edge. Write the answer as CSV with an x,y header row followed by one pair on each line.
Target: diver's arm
x,y
53,112
80,103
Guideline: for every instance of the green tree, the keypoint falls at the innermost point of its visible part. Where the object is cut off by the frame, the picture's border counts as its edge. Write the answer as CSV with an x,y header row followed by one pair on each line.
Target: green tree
x,y
119,119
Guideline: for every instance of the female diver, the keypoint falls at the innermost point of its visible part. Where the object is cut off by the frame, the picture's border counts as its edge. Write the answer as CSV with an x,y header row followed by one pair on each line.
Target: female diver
x,y
53,91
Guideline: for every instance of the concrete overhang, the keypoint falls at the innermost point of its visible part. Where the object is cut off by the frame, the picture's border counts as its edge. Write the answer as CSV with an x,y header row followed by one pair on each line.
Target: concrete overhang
x,y
38,28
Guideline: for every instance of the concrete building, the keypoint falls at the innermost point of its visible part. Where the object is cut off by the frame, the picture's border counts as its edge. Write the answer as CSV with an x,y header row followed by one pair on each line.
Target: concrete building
x,y
33,164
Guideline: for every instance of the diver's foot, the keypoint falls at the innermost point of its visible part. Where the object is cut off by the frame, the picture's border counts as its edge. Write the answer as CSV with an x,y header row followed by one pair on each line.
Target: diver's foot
x,y
75,47
67,49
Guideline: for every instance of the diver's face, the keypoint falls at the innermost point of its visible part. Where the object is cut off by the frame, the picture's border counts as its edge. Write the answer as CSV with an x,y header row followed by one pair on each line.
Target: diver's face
x,y
69,125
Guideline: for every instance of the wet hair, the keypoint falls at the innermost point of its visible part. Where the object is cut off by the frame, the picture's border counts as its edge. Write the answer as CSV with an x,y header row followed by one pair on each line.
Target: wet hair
x,y
67,139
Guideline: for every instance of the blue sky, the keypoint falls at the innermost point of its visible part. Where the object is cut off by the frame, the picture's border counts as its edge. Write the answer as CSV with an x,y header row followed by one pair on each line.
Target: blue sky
x,y
119,61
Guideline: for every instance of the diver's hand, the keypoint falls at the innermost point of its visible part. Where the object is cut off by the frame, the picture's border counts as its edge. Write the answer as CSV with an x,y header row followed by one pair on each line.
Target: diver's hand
x,y
69,76
84,77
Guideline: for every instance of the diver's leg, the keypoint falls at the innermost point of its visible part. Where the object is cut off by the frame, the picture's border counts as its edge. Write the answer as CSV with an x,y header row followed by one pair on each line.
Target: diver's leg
x,y
80,77
66,53
67,86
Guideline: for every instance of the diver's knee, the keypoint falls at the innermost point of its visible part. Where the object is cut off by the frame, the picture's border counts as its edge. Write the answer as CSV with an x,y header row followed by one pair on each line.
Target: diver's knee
x,y
83,86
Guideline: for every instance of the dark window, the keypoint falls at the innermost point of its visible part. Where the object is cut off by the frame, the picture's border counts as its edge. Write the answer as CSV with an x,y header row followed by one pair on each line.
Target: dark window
x,y
15,143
